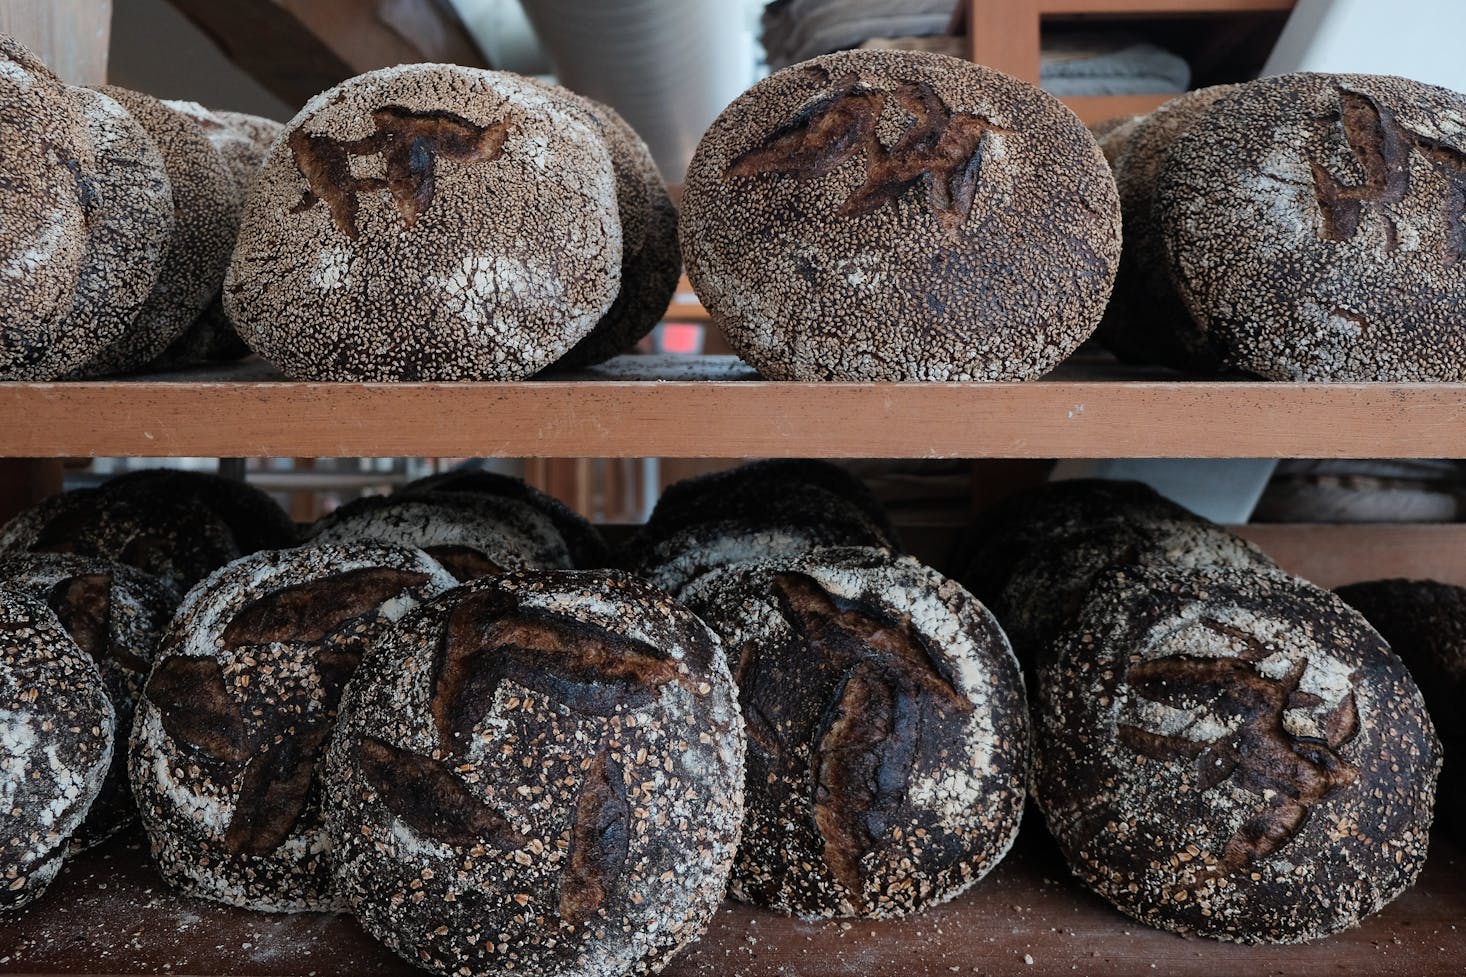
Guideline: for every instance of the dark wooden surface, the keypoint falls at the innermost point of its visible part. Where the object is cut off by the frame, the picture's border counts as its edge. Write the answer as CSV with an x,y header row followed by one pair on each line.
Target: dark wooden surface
x,y
110,914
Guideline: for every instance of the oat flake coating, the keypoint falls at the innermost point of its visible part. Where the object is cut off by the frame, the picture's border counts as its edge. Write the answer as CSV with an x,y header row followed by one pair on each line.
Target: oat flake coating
x,y
42,224
56,742
427,222
1234,754
1316,228
115,615
206,204
470,535
1146,321
237,711
1425,623
892,215
887,731
539,772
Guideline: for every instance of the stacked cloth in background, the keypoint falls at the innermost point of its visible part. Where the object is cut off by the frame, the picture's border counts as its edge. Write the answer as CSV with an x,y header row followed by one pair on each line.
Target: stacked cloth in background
x,y
1352,490
797,30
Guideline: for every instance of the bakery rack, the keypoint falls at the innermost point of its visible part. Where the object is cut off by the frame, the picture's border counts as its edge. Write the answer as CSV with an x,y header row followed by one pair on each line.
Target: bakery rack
x,y
110,914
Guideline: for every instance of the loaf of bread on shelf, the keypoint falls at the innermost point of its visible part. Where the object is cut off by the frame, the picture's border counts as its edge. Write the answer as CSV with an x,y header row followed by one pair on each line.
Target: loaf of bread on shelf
x,y
1315,226
56,742
887,732
115,614
895,215
540,771
253,518
428,222
206,205
470,535
238,709
1233,754
1425,623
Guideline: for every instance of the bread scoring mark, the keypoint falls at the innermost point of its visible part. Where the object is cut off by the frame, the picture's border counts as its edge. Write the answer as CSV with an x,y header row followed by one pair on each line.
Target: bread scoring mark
x,y
409,143
939,149
426,796
1253,738
1383,147
599,841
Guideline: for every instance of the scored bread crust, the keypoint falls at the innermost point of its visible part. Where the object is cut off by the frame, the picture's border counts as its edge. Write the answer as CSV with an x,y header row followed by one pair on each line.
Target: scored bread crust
x,y
1233,753
884,215
1313,225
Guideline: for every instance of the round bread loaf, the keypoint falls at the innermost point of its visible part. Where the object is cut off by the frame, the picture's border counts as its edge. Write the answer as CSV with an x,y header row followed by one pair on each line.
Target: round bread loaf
x,y
253,518
539,772
887,730
1425,623
894,215
999,539
206,205
171,537
588,549
1146,320
470,535
1048,585
238,709
240,149
428,222
1316,228
42,221
128,205
115,615
56,742
261,131
651,261
1233,754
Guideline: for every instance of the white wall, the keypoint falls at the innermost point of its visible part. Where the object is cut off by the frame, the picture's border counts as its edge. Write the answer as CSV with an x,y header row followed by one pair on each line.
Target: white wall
x,y
1419,39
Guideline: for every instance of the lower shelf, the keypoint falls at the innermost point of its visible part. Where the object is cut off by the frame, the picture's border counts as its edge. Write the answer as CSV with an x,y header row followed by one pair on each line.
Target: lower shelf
x,y
110,913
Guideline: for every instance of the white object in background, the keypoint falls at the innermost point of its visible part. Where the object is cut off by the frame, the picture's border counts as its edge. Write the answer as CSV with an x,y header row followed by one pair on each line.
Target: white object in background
x,y
504,34
668,66
1418,39
1223,490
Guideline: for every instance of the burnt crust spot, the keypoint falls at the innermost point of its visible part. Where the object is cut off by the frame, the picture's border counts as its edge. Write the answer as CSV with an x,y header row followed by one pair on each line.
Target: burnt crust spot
x,y
599,841
939,149
409,143
426,796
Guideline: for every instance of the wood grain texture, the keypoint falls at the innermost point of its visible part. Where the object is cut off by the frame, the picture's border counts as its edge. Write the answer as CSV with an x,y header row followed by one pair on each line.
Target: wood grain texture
x,y
109,913
1098,108
1003,34
692,407
71,36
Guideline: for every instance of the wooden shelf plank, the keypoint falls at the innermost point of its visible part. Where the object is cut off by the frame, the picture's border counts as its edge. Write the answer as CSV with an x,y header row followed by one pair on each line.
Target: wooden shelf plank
x,y
695,407
1165,8
1098,108
111,914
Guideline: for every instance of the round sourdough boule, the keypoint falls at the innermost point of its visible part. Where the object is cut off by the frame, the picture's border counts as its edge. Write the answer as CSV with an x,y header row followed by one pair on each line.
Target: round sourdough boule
x,y
175,538
893,215
256,521
240,149
1146,320
540,772
1233,754
1316,228
206,205
42,223
1048,585
56,742
651,261
238,709
128,205
115,615
887,730
1425,623
588,549
258,129
470,535
427,222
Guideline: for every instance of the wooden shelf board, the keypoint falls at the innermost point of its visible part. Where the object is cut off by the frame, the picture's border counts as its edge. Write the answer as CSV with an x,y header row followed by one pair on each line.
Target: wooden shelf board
x,y
1098,108
111,914
692,407
1167,8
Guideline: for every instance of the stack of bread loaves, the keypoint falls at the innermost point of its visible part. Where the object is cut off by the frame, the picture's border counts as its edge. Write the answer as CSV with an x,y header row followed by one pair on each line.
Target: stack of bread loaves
x,y
1220,748
1299,227
120,226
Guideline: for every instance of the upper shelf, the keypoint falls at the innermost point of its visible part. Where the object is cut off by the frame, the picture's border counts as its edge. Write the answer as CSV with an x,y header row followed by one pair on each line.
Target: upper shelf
x,y
716,407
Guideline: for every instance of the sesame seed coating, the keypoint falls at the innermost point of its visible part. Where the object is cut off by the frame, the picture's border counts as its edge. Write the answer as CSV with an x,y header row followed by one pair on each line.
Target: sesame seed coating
x,y
540,772
1315,226
1234,754
893,215
56,742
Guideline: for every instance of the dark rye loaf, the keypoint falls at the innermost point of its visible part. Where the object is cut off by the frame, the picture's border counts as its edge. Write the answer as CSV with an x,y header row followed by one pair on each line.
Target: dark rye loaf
x,y
893,215
539,772
1233,754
